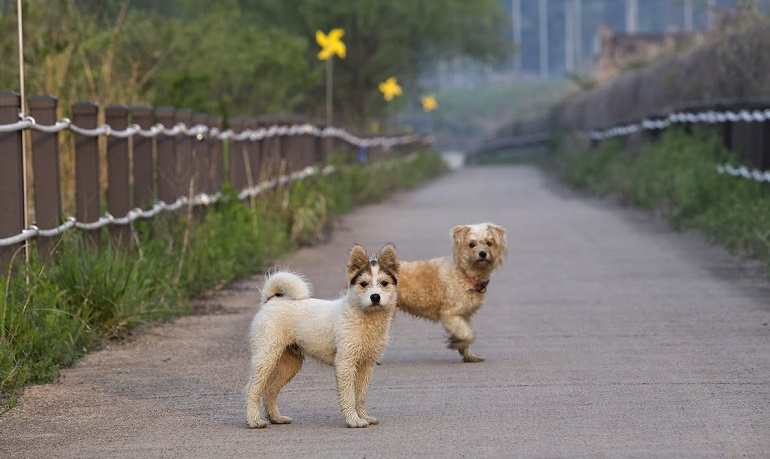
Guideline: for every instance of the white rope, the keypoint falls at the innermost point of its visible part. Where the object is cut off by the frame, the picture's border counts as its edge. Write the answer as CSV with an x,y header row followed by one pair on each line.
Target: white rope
x,y
201,132
202,199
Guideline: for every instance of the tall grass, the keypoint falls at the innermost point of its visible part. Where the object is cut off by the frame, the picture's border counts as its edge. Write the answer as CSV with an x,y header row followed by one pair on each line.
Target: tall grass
x,y
51,314
677,178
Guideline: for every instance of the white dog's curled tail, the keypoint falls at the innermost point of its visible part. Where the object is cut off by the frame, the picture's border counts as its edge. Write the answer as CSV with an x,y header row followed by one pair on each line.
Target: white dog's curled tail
x,y
285,284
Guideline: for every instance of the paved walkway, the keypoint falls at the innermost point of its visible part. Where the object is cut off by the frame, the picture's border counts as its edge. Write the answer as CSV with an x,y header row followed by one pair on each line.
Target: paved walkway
x,y
605,335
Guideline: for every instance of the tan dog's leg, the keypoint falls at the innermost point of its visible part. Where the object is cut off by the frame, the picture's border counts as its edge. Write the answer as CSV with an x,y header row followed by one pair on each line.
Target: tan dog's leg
x,y
363,375
461,336
346,378
262,367
287,367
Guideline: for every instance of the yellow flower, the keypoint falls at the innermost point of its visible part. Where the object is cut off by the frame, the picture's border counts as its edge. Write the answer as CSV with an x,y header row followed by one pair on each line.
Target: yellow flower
x,y
330,44
390,89
429,103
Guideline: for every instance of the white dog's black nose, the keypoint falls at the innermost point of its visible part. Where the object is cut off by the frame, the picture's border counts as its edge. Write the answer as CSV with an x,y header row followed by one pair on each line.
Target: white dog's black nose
x,y
375,298
482,254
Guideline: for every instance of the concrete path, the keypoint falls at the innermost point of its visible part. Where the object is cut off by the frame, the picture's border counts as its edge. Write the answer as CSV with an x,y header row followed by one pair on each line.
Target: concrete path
x,y
605,334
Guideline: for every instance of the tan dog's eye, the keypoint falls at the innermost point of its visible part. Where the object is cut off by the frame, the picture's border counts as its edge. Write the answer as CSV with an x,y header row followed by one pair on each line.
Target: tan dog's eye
x,y
384,283
364,284
489,244
472,245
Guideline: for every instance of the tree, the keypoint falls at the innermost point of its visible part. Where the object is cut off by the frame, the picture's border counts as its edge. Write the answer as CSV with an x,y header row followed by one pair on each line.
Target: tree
x,y
399,38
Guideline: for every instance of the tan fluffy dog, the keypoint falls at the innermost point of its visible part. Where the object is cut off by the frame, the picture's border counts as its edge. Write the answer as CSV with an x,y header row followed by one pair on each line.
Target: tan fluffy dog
x,y
451,290
349,333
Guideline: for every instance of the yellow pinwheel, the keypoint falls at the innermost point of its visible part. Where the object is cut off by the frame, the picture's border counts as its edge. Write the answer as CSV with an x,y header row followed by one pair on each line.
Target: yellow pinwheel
x,y
390,89
429,103
330,44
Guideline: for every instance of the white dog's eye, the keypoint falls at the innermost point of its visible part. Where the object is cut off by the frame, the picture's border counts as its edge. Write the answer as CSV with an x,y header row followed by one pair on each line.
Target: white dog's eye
x,y
472,245
384,283
364,284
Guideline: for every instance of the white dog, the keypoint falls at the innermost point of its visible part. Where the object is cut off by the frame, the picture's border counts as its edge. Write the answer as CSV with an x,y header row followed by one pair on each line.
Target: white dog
x,y
451,290
349,333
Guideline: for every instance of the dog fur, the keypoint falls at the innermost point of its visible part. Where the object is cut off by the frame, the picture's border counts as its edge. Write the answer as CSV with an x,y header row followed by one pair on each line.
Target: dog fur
x,y
349,333
451,290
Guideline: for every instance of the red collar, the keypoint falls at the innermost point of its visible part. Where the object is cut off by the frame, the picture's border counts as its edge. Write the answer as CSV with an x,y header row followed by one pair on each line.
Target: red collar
x,y
478,286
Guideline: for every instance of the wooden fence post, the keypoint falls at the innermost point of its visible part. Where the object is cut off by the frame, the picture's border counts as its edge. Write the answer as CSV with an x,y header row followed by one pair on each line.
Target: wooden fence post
x,y
118,192
184,155
45,166
216,163
308,146
11,173
201,152
237,156
764,160
253,154
144,169
87,191
166,160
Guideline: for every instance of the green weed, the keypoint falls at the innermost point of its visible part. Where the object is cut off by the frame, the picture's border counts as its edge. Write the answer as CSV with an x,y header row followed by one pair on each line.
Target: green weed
x,y
677,178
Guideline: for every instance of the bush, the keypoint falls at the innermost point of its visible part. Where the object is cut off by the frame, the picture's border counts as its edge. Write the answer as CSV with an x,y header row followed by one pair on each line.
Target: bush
x,y
677,178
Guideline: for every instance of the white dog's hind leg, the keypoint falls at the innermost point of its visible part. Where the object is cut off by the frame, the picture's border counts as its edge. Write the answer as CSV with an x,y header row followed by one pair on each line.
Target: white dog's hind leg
x,y
287,367
363,375
262,366
461,336
346,377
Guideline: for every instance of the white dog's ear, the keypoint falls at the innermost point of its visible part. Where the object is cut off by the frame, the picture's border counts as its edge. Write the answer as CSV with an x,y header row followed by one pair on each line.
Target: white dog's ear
x,y
357,260
388,258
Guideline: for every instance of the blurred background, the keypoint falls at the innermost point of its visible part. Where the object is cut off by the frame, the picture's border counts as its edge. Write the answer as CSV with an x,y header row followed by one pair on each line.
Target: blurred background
x,y
489,63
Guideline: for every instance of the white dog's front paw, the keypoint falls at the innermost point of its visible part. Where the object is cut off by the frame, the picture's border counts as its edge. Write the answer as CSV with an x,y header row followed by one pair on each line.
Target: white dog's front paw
x,y
356,422
256,423
279,419
470,357
371,420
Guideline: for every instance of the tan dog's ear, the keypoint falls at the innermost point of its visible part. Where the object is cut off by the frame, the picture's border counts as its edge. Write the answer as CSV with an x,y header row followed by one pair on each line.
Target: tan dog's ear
x,y
388,258
498,232
459,233
357,260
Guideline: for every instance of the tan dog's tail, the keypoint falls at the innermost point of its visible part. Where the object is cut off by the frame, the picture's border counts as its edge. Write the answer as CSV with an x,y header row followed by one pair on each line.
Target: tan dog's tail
x,y
285,284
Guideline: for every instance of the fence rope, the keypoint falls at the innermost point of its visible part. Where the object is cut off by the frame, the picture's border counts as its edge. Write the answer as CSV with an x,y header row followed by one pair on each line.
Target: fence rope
x,y
198,132
708,116
201,132
684,117
201,199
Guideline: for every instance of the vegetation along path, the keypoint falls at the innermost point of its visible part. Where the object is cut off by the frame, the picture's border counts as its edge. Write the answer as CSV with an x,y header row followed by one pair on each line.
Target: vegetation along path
x,y
605,334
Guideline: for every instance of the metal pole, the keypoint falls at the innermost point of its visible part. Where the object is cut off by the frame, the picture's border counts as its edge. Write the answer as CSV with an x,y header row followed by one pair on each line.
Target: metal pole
x,y
632,16
578,8
569,37
23,134
329,114
543,26
688,16
516,20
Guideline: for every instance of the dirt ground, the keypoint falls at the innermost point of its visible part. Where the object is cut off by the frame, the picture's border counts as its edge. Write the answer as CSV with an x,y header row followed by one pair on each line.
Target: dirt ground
x,y
605,335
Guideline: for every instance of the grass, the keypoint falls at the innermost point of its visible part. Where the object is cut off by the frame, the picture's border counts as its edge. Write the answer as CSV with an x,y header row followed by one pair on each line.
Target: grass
x,y
52,314
677,178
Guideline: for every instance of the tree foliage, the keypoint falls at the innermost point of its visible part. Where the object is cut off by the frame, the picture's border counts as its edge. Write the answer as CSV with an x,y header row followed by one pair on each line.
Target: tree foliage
x,y
240,57
400,38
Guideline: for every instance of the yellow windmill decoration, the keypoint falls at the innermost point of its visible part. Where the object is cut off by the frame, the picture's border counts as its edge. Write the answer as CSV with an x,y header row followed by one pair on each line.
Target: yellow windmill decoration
x,y
331,45
429,103
390,89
